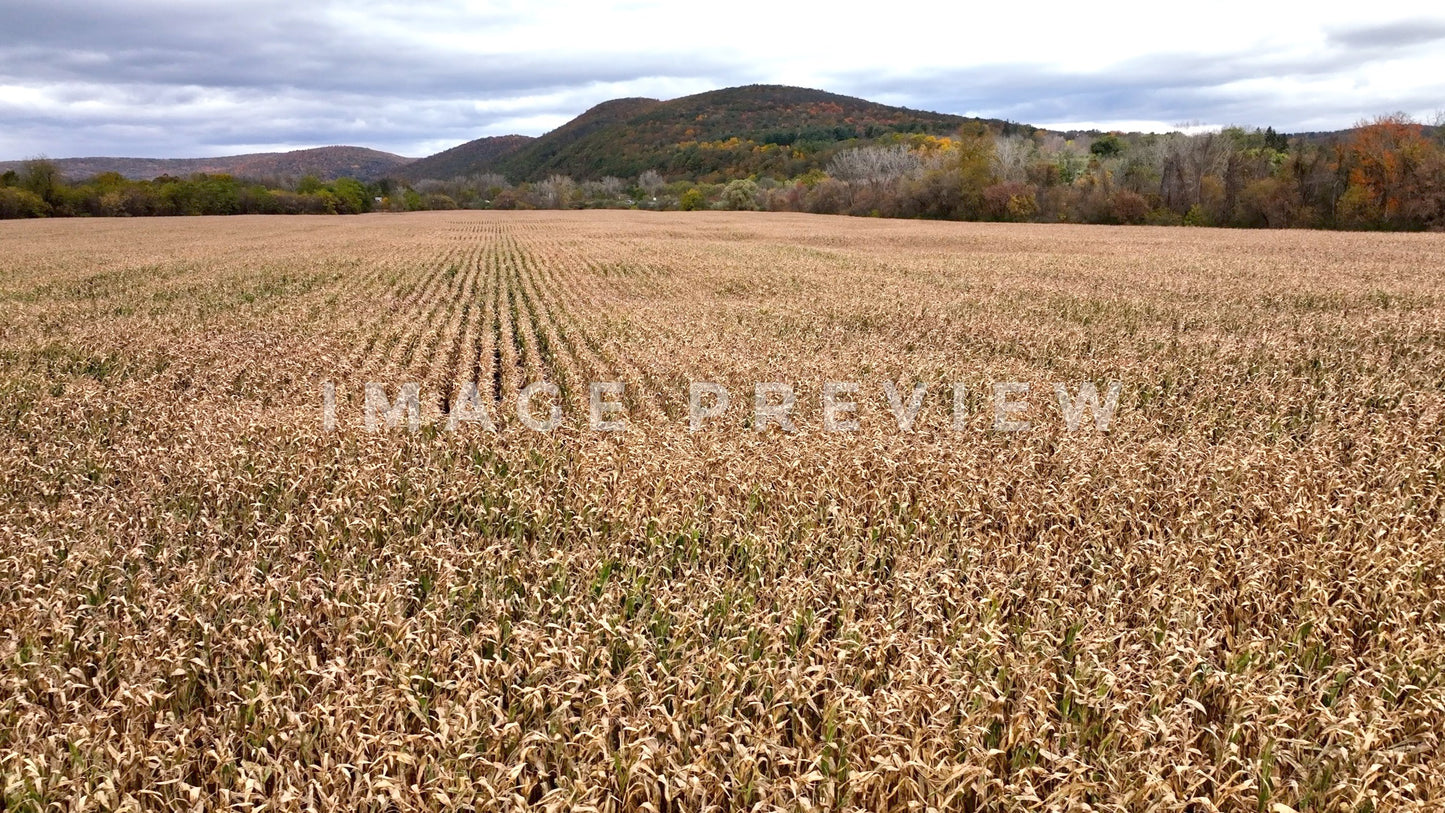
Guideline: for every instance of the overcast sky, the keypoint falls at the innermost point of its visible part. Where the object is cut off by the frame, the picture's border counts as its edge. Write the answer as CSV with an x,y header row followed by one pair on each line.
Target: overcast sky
x,y
176,79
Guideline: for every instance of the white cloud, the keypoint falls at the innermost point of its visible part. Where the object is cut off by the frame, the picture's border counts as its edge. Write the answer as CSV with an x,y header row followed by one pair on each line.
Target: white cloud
x,y
171,78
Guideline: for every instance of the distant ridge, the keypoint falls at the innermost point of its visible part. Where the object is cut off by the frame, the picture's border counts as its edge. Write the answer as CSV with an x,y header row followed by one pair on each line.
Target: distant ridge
x,y
327,163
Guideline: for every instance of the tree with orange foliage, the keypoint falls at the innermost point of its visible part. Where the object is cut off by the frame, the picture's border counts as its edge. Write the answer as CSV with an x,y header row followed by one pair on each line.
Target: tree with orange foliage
x,y
1386,162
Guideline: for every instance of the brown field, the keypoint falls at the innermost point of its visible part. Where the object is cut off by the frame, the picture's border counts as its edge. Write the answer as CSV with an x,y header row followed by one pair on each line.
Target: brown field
x,y
1233,600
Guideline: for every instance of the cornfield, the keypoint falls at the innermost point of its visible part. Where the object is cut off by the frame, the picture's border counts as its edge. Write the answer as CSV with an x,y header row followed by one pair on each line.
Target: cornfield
x,y
1233,599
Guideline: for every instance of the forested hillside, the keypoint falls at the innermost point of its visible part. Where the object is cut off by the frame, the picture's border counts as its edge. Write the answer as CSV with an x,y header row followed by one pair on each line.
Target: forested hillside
x,y
737,132
464,159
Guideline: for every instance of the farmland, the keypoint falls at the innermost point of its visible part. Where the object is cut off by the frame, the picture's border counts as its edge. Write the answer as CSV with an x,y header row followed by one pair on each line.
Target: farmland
x,y
1232,599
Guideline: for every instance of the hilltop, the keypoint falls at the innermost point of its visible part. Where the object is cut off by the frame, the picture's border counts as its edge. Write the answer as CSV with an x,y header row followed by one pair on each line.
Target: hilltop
x,y
708,136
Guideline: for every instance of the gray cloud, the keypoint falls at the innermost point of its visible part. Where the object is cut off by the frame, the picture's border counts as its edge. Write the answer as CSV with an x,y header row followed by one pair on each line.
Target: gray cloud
x,y
1174,88
270,46
163,78
1391,35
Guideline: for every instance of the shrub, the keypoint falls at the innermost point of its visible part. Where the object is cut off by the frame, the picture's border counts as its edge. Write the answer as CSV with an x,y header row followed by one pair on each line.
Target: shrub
x,y
1012,201
351,196
15,203
1196,216
1163,216
436,200
692,200
1107,146
740,195
509,199
1267,202
1129,207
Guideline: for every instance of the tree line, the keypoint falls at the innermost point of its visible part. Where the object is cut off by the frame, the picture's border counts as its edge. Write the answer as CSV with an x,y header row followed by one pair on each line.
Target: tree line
x,y
1388,173
1385,174
39,190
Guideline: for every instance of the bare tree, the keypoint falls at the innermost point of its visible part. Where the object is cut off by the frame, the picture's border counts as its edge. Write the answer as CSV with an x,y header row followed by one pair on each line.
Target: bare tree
x,y
1188,160
651,182
556,191
1053,143
489,183
610,186
1011,157
874,165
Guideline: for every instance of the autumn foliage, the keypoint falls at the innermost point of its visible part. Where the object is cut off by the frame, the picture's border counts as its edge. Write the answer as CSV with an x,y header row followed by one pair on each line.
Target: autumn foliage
x,y
1394,174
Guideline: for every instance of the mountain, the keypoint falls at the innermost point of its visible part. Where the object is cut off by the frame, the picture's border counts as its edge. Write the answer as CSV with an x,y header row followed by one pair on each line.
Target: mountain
x,y
733,132
580,145
326,163
463,159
